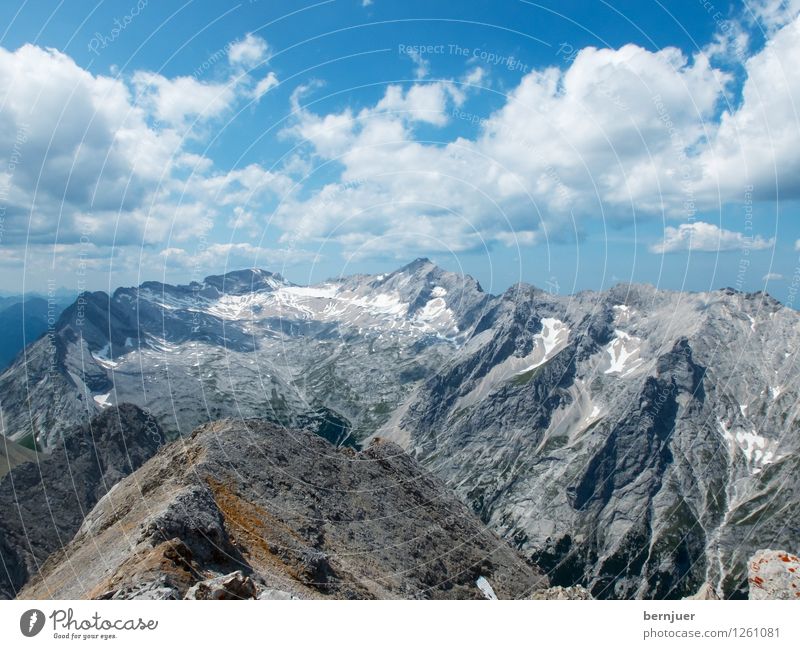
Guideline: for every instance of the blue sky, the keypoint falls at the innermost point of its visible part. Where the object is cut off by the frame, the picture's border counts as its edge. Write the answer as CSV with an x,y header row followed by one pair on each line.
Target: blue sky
x,y
571,145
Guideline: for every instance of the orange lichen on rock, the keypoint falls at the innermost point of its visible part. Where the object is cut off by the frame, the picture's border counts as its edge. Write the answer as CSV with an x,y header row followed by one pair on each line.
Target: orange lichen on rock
x,y
773,575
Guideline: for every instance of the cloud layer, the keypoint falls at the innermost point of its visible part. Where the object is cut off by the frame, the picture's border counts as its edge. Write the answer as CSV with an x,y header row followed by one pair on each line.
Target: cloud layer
x,y
707,237
616,135
110,161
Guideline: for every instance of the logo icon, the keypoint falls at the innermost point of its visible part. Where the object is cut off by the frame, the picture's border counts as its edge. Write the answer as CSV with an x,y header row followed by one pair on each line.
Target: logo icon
x,y
31,622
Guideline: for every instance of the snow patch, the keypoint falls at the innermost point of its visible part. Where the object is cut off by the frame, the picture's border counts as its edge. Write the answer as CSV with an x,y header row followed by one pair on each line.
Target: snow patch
x,y
103,357
485,587
436,314
553,338
624,353
385,304
622,313
438,291
325,291
757,450
102,400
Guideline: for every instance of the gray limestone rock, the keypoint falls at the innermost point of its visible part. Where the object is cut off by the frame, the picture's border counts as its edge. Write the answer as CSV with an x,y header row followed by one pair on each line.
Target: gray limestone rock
x,y
253,510
774,574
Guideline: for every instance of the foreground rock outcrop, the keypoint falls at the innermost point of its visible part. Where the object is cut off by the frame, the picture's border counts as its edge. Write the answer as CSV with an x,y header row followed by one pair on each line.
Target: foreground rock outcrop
x,y
774,574
43,502
246,509
563,592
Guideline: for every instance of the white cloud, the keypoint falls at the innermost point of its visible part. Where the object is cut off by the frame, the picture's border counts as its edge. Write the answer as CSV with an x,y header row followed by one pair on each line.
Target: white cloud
x,y
251,50
619,134
86,144
774,14
758,144
707,237
175,101
421,102
239,186
423,66
474,76
102,164
772,277
231,256
563,142
264,86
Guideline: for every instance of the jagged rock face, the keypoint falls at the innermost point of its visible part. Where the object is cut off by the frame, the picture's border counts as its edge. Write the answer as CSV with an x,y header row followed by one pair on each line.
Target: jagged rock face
x,y
639,442
246,509
43,502
774,575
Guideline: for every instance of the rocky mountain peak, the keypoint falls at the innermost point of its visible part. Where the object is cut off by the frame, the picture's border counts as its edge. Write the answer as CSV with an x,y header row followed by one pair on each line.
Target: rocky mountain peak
x,y
249,280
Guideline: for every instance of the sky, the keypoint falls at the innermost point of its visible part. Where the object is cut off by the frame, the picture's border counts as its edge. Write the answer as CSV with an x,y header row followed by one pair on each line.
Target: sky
x,y
571,145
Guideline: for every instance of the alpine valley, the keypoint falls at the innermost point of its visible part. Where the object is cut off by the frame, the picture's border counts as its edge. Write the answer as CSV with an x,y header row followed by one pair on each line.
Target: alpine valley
x,y
636,442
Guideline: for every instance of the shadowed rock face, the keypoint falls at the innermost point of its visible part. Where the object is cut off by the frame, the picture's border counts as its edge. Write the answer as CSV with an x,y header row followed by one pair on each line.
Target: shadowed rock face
x,y
245,502
43,502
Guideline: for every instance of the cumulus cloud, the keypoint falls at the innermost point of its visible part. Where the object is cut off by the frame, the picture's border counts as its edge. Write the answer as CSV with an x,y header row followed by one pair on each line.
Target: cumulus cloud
x,y
87,145
251,50
175,101
774,14
421,102
618,134
707,237
758,143
228,255
565,142
264,86
101,163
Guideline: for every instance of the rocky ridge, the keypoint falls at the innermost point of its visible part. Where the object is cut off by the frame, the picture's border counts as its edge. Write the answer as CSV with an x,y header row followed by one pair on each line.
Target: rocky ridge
x,y
244,509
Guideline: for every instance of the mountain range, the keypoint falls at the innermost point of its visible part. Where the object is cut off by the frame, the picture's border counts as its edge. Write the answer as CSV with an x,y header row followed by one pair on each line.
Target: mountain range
x,y
638,442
